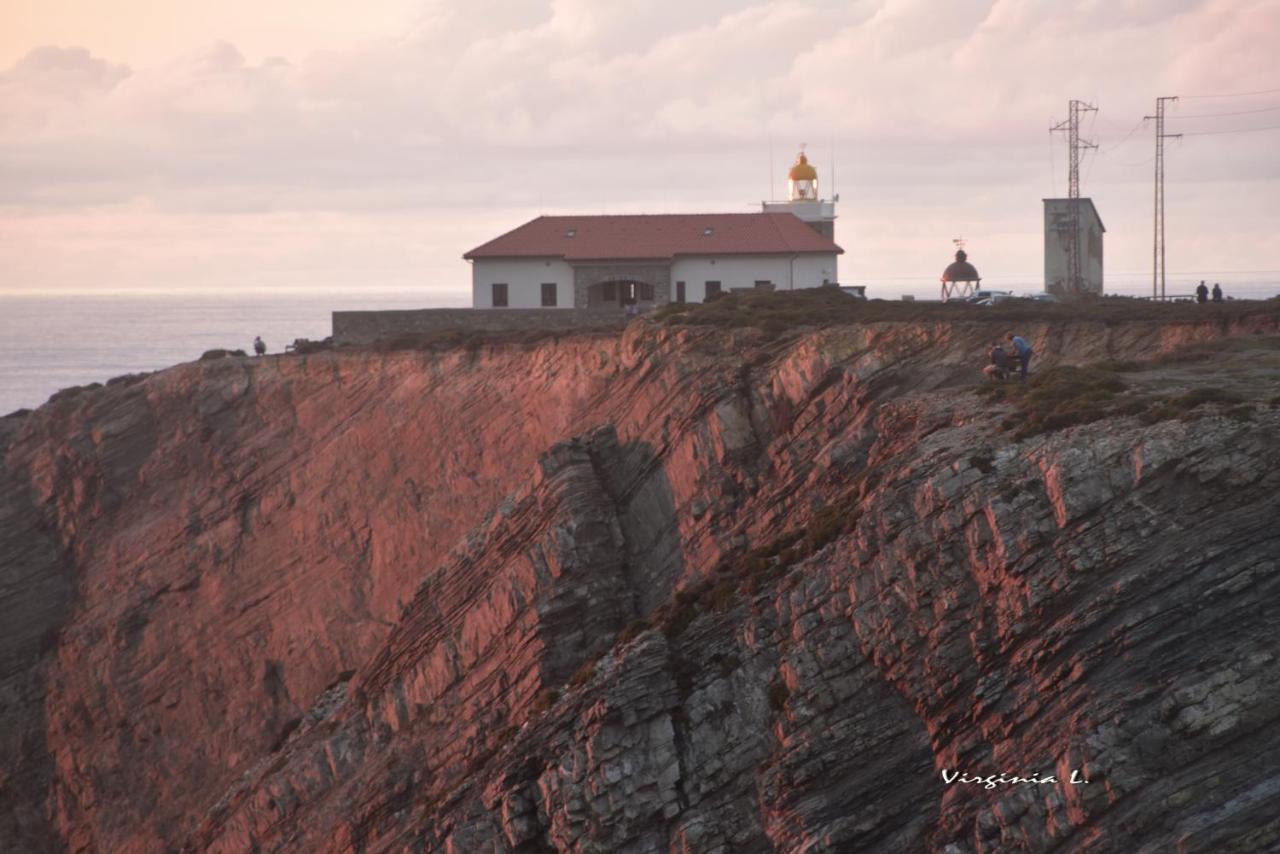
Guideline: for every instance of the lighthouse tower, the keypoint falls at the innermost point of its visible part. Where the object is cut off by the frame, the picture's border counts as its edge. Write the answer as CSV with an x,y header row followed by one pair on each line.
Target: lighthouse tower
x,y
803,199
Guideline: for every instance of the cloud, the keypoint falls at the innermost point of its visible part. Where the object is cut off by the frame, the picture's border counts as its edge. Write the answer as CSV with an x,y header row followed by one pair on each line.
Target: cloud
x,y
635,104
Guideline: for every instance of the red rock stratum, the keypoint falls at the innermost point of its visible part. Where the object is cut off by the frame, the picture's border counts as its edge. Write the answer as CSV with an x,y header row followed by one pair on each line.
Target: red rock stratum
x,y
678,589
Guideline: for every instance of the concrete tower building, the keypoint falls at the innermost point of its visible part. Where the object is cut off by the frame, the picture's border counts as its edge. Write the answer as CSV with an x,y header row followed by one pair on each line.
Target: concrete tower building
x,y
1057,248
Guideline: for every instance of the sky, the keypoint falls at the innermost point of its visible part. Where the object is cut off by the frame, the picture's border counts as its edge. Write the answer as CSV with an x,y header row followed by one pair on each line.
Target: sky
x,y
324,145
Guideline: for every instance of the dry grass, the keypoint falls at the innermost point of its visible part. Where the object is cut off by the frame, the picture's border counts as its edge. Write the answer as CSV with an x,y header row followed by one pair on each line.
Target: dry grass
x,y
749,572
472,340
1066,396
779,310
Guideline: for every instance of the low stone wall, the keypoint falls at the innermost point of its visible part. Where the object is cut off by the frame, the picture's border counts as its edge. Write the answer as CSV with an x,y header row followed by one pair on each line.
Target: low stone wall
x,y
364,327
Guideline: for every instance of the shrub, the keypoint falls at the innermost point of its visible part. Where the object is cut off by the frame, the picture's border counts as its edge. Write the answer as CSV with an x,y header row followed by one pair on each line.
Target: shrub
x,y
584,674
779,693
826,305
219,353
982,462
545,699
1065,396
1206,394
633,630
1060,397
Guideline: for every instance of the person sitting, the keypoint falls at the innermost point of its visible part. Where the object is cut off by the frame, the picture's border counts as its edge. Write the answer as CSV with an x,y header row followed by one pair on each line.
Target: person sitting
x,y
1217,292
259,347
998,369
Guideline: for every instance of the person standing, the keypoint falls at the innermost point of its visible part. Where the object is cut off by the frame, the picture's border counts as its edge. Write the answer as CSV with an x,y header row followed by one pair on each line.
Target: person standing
x,y
259,346
1202,293
1022,350
1217,292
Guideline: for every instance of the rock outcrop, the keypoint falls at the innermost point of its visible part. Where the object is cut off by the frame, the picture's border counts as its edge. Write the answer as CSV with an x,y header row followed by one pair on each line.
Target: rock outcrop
x,y
685,590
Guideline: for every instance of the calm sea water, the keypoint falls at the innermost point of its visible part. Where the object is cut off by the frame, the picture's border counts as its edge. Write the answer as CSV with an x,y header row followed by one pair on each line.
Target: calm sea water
x,y
49,343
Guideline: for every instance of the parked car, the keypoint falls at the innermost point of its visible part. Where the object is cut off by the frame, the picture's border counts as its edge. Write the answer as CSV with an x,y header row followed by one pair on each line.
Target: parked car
x,y
1043,297
996,298
981,296
855,291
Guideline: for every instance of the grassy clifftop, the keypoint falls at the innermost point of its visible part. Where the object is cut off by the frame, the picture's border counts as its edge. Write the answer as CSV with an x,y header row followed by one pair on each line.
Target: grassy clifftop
x,y
824,306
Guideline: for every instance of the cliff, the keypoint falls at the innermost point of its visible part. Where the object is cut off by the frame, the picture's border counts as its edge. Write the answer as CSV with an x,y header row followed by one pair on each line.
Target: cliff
x,y
679,588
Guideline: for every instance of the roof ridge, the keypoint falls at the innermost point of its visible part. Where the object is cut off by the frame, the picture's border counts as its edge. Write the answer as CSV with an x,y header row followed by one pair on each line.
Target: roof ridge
x,y
657,236
778,228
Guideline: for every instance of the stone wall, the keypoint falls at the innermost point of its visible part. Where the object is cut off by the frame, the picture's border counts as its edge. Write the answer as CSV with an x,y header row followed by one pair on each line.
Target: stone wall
x,y
363,327
587,275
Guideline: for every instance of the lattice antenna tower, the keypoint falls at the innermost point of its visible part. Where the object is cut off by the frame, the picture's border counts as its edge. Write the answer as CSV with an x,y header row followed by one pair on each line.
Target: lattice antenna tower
x,y
1075,144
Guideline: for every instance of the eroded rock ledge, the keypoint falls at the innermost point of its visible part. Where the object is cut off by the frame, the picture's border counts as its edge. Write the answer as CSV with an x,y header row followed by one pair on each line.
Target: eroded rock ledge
x,y
672,590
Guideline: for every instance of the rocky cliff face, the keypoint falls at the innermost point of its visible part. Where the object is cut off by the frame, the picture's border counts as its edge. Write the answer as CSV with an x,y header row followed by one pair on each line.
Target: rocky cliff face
x,y
681,590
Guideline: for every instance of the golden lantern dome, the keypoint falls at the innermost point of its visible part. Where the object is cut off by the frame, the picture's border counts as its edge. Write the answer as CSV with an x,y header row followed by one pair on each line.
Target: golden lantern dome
x,y
802,171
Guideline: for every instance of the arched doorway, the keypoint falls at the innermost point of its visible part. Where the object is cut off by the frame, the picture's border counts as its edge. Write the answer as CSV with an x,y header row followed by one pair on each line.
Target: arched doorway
x,y
620,293
613,286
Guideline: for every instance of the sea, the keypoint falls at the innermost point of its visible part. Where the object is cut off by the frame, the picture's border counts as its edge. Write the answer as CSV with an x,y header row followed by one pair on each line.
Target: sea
x,y
50,342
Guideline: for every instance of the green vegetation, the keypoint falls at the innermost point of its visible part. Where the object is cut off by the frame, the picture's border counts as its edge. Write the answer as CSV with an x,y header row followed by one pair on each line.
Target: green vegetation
x,y
1217,349
1065,396
585,673
472,340
779,693
633,630
750,572
545,699
984,463
776,311
73,391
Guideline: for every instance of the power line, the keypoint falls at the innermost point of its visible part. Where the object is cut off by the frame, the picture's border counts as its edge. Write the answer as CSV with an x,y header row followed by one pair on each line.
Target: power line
x,y
1134,130
1234,94
1237,130
1053,170
1235,113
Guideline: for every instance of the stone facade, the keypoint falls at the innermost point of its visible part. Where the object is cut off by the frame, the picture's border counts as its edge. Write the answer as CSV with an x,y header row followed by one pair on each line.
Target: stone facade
x,y
364,327
587,275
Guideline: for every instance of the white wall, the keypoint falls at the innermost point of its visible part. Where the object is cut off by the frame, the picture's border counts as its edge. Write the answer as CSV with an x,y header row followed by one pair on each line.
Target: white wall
x,y
524,280
742,271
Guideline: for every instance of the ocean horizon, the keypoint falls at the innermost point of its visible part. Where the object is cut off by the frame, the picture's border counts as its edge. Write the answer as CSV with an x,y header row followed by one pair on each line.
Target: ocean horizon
x,y
49,342
52,342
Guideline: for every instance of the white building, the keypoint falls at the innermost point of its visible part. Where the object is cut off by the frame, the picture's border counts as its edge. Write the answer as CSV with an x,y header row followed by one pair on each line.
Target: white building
x,y
606,262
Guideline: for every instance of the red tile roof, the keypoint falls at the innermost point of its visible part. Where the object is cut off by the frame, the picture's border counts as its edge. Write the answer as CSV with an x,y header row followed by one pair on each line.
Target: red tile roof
x,y
648,236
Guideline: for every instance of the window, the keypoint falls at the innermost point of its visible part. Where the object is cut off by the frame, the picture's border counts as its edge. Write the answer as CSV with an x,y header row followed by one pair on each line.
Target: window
x,y
713,289
679,291
646,291
499,295
609,291
548,294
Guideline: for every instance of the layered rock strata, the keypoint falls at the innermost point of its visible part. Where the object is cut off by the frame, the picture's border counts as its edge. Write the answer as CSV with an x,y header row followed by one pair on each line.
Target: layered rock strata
x,y
667,590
